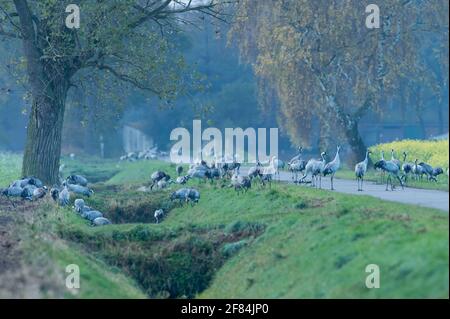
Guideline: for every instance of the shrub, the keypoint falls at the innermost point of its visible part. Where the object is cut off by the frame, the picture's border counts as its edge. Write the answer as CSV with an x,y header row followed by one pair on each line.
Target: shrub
x,y
232,248
243,227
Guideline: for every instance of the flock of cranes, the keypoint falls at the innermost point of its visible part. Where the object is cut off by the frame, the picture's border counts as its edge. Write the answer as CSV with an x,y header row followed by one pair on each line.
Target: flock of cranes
x,y
315,167
31,188
394,168
302,171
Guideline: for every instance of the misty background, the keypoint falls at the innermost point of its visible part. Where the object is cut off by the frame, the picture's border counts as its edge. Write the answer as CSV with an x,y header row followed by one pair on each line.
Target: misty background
x,y
229,98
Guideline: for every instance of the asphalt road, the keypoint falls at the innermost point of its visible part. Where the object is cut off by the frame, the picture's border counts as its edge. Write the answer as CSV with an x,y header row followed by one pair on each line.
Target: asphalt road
x,y
414,196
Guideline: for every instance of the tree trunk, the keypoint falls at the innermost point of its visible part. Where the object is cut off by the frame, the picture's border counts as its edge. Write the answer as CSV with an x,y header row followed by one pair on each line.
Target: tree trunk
x,y
48,81
355,141
349,124
44,132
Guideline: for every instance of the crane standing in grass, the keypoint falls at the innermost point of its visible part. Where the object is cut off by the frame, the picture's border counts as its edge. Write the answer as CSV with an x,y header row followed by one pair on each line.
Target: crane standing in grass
x,y
332,167
392,169
417,170
382,172
360,171
406,167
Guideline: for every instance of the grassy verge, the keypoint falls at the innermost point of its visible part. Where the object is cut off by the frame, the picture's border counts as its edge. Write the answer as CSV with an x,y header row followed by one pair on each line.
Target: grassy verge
x,y
10,165
41,259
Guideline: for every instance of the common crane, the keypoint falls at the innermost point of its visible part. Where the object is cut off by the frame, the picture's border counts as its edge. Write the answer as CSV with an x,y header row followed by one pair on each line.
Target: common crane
x,y
394,160
315,168
392,169
406,167
361,169
332,167
159,214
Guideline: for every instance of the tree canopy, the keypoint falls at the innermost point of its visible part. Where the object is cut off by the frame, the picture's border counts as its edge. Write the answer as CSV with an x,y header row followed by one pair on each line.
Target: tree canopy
x,y
325,64
121,39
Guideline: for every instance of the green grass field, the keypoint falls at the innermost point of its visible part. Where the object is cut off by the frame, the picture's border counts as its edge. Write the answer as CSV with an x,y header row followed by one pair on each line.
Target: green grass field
x,y
280,242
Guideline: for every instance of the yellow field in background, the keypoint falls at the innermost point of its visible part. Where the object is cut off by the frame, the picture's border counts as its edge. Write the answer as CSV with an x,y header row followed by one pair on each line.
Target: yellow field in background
x,y
434,153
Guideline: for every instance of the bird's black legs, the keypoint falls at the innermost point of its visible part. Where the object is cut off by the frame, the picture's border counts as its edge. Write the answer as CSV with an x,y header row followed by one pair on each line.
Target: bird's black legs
x,y
400,181
332,177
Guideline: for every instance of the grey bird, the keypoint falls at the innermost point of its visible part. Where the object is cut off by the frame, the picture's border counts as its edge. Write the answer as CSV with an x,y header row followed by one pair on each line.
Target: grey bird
x,y
13,191
296,166
82,190
186,195
255,171
406,167
40,192
54,192
91,215
436,172
20,183
417,170
193,195
77,180
394,160
182,179
332,167
360,170
80,206
181,195
159,214
27,192
101,221
427,169
315,167
392,169
158,176
64,196
240,183
298,156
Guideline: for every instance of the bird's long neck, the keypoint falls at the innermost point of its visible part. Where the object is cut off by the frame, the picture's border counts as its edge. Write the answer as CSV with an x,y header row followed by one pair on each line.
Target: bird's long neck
x,y
404,157
392,155
366,160
336,158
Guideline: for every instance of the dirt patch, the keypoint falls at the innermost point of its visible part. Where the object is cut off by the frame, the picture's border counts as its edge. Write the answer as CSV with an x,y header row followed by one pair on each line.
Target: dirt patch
x,y
129,205
20,278
8,246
